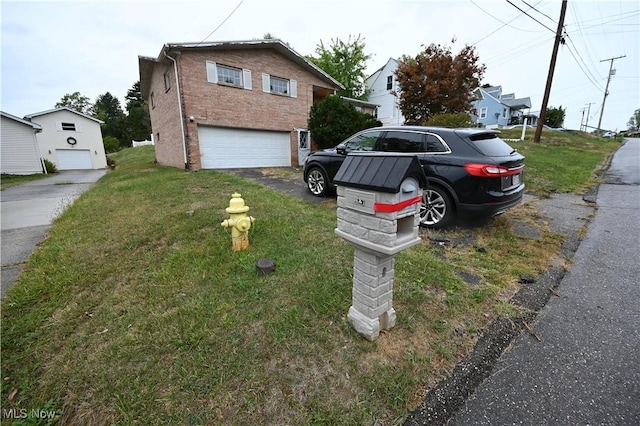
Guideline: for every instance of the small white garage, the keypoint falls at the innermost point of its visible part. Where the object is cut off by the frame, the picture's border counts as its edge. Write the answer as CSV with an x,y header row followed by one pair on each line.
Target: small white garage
x,y
69,139
225,148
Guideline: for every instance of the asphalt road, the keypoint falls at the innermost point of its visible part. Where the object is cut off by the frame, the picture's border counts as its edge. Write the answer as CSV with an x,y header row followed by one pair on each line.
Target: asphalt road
x,y
27,211
586,368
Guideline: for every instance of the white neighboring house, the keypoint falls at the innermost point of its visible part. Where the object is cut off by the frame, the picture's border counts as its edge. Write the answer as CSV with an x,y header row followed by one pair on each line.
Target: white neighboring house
x,y
382,85
19,153
69,139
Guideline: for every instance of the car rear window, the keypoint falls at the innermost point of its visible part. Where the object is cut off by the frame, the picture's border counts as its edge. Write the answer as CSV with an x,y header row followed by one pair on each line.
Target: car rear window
x,y
490,144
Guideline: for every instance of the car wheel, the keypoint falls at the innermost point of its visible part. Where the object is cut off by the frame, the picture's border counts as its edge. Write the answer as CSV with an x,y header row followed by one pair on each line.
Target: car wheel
x,y
317,182
436,210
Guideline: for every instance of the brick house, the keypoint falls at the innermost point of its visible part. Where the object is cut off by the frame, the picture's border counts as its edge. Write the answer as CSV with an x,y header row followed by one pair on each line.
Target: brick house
x,y
233,104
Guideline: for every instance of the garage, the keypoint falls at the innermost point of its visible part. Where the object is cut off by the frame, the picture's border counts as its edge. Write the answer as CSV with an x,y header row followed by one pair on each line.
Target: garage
x,y
224,148
74,159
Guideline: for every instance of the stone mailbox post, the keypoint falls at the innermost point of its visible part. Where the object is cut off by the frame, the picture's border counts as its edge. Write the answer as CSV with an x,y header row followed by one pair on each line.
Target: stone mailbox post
x,y
379,197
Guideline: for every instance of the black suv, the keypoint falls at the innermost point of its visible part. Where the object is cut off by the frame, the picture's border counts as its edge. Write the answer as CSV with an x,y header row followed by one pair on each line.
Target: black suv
x,y
470,172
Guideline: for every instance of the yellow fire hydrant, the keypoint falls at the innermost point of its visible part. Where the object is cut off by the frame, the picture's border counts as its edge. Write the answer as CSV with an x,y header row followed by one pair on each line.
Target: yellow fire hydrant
x,y
239,222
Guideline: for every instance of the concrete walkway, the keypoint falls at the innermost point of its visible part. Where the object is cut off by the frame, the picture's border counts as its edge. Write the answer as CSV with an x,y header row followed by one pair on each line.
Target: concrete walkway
x,y
586,368
27,211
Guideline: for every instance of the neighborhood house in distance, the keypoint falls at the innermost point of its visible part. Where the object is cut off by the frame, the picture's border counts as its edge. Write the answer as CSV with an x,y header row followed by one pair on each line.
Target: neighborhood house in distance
x,y
67,138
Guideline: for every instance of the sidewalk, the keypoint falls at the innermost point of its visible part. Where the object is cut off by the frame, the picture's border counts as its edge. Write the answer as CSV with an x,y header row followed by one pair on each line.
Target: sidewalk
x,y
586,367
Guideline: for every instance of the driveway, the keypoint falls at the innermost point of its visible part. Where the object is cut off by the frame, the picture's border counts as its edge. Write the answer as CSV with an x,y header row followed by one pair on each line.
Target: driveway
x,y
27,211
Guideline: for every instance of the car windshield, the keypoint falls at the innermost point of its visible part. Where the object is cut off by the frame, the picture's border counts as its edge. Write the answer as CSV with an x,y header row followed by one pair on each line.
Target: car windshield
x,y
491,145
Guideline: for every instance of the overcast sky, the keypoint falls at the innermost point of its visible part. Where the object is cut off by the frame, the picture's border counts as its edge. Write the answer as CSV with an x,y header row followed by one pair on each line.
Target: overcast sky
x,y
50,49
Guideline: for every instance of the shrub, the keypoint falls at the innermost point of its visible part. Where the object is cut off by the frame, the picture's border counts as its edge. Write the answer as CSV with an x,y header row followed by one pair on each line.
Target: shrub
x,y
49,167
332,120
111,144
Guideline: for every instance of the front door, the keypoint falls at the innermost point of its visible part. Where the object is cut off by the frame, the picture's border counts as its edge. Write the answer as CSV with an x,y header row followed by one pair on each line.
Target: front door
x,y
304,145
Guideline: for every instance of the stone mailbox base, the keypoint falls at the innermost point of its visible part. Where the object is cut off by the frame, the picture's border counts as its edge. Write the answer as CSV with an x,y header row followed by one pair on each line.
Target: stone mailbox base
x,y
372,296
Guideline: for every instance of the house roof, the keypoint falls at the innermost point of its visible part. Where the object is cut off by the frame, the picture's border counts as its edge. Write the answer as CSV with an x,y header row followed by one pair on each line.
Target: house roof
x,y
51,111
519,103
35,126
383,67
146,63
508,99
358,102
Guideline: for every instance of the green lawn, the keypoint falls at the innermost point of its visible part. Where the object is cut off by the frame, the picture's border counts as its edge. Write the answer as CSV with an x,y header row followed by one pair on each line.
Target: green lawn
x,y
135,309
7,181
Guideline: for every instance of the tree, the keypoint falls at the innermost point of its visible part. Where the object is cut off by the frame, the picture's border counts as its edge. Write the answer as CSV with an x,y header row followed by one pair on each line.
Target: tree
x,y
554,117
107,108
436,81
345,62
138,123
111,144
634,122
332,120
76,102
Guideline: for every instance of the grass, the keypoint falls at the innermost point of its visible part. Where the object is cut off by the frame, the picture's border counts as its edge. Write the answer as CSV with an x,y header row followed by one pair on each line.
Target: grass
x,y
7,180
135,309
563,161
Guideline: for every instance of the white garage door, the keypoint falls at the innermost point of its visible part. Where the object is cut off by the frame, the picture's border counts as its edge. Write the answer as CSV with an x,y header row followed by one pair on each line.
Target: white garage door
x,y
74,159
222,148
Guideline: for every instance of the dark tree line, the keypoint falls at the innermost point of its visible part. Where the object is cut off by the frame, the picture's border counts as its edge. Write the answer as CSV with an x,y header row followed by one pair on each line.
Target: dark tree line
x,y
119,128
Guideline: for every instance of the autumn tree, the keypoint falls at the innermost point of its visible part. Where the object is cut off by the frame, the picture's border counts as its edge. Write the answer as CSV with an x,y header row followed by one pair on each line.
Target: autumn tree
x,y
436,81
345,62
76,102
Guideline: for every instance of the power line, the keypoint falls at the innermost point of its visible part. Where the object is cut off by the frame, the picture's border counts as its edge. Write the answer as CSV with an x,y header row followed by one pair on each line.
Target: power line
x,y
590,75
509,1
504,24
222,23
541,13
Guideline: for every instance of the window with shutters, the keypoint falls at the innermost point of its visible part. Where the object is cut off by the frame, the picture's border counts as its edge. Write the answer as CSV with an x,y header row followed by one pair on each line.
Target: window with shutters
x,y
279,86
228,76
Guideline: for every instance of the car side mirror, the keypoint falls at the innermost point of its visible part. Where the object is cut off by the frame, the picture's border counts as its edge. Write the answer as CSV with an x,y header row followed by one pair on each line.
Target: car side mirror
x,y
341,149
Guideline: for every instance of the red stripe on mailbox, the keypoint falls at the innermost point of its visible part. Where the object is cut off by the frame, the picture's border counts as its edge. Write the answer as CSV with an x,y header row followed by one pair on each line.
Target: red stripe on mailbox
x,y
391,208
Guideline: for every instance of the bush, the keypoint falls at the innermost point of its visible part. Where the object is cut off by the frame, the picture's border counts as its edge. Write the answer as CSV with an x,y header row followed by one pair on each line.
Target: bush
x,y
49,167
332,120
451,120
111,144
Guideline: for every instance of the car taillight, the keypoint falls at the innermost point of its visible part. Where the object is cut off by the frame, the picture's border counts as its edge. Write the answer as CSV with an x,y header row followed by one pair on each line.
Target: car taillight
x,y
490,170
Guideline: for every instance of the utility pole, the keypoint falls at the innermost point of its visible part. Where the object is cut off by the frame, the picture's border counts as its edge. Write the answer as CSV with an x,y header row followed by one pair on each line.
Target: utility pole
x,y
552,66
582,118
606,89
586,125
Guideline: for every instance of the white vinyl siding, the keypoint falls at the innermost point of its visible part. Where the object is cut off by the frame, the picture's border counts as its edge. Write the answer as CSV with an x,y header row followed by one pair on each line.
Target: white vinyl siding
x,y
18,149
224,148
